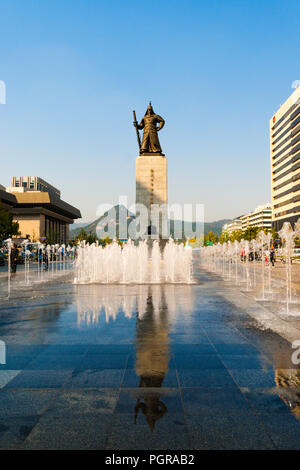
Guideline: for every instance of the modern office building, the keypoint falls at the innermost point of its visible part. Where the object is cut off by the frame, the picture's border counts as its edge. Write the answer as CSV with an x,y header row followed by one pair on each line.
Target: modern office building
x,y
285,161
31,183
39,210
261,217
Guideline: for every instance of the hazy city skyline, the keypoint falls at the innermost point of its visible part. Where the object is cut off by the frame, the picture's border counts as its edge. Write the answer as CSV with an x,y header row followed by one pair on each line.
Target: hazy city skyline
x,y
75,72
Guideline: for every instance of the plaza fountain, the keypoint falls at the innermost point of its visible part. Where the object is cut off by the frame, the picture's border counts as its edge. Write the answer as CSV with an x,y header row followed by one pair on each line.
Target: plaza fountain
x,y
40,263
247,264
289,236
142,263
133,263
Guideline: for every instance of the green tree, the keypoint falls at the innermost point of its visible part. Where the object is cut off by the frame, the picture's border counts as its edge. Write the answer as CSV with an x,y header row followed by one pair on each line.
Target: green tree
x,y
236,235
81,236
224,237
105,241
250,233
91,238
210,237
120,243
8,227
88,237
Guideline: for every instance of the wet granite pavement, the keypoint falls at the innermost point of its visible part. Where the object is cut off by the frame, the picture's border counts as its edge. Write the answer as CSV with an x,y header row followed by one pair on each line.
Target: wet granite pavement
x,y
142,367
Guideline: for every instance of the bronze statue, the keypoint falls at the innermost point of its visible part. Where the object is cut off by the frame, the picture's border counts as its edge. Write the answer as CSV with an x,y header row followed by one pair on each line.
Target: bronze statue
x,y
150,142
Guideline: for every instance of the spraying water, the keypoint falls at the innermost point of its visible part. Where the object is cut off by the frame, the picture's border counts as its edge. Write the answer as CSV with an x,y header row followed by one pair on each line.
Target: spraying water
x,y
133,264
254,268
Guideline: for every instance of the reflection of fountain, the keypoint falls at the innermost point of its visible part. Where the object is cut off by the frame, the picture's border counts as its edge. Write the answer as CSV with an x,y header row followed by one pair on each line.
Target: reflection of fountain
x,y
93,304
155,308
2,352
133,264
96,305
288,383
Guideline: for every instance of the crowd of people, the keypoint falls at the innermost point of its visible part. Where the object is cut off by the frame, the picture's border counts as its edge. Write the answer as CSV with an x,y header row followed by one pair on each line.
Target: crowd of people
x,y
269,256
16,255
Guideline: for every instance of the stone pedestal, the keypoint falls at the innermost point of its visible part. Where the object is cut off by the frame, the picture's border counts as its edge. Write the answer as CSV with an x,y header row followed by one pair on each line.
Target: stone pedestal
x,y
151,190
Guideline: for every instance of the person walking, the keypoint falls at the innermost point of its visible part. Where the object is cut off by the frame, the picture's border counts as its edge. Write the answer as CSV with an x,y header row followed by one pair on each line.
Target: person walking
x,y
272,256
14,253
267,255
46,259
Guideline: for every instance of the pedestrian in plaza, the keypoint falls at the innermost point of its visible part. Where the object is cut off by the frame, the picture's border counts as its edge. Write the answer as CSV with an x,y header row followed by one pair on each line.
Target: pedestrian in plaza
x,y
14,253
46,259
267,253
272,256
40,255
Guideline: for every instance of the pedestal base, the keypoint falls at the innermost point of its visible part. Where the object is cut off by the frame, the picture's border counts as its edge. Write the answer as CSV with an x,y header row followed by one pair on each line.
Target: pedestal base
x,y
151,189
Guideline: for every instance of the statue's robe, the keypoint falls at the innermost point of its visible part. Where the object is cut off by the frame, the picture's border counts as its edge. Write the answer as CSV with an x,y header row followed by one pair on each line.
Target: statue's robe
x,y
150,141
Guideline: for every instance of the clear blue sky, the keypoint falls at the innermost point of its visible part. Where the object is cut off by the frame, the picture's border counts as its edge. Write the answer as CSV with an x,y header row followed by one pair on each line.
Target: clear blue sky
x,y
215,70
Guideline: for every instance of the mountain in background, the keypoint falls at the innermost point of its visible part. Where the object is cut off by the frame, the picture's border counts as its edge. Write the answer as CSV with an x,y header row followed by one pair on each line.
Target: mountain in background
x,y
123,212
78,225
120,211
215,226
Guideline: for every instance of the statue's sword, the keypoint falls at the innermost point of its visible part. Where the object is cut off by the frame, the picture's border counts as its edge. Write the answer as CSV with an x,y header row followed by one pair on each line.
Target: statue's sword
x,y
135,123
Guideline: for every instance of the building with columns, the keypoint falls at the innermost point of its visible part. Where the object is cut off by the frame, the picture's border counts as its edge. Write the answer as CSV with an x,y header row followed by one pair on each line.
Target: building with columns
x,y
39,210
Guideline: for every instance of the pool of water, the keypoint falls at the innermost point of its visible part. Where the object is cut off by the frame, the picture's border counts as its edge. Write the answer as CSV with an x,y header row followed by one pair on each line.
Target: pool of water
x,y
142,367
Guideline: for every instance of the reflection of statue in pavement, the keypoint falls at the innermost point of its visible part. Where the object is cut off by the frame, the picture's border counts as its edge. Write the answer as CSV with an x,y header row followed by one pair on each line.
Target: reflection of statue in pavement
x,y
152,361
286,373
288,381
152,408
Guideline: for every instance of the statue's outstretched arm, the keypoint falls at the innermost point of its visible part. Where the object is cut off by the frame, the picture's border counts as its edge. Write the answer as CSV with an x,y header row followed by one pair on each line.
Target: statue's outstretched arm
x,y
141,125
161,122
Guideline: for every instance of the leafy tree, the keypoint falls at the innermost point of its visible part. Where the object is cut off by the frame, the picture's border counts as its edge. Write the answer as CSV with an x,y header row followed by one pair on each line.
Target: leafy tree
x,y
250,233
8,227
178,241
81,236
236,235
224,237
91,238
210,237
105,241
88,237
119,242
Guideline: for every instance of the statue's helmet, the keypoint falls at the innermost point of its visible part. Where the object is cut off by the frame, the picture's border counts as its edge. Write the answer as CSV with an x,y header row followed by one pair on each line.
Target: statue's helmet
x,y
149,109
